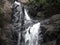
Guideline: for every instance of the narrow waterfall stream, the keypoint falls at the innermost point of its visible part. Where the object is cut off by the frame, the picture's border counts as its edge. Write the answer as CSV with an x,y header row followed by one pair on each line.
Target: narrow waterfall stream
x,y
29,31
31,36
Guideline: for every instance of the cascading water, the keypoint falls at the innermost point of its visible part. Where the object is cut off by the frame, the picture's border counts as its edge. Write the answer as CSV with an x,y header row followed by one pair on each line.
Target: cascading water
x,y
29,31
31,36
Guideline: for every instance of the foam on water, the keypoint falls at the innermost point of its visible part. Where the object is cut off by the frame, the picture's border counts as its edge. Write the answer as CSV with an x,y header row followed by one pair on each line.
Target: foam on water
x,y
32,37
26,15
31,32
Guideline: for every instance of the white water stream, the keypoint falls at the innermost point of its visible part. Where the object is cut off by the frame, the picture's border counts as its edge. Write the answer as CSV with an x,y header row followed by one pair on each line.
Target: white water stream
x,y
31,32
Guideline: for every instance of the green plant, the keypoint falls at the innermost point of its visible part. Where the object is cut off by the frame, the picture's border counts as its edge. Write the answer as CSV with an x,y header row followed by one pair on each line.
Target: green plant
x,y
49,7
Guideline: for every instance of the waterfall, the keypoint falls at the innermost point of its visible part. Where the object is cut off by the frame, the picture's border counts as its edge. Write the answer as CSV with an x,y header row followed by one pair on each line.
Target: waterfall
x,y
30,31
32,37
26,15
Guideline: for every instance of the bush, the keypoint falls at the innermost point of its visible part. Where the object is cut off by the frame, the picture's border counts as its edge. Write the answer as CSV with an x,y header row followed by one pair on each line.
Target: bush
x,y
47,7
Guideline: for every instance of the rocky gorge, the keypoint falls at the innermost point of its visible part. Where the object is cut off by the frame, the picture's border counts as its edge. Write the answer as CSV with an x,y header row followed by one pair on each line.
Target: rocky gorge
x,y
50,25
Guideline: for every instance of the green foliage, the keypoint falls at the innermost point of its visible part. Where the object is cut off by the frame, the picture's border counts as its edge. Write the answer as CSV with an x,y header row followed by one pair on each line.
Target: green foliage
x,y
49,7
44,1
37,1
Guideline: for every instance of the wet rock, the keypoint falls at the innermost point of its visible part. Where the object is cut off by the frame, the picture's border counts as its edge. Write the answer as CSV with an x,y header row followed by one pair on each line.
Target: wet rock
x,y
52,28
50,43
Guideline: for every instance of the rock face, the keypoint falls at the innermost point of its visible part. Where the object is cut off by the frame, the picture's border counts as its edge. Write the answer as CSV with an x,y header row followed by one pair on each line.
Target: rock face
x,y
51,29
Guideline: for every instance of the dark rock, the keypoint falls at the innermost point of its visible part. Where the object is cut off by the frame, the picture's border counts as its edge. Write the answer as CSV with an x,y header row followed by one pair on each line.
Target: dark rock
x,y
51,28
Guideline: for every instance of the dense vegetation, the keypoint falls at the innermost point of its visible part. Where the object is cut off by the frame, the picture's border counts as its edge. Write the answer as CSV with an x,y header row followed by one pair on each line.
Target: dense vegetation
x,y
44,8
